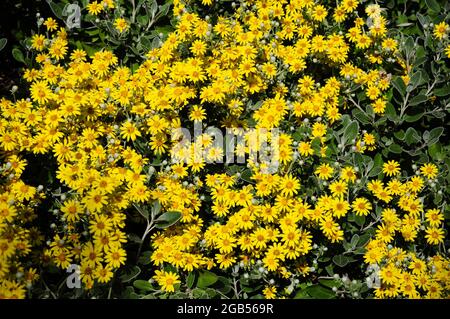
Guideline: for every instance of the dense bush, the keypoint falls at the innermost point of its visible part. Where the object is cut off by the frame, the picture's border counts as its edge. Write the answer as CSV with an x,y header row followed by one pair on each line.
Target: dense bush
x,y
349,103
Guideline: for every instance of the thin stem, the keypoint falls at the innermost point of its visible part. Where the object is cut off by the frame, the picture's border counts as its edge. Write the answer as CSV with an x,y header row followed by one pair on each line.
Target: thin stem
x,y
148,229
235,288
133,15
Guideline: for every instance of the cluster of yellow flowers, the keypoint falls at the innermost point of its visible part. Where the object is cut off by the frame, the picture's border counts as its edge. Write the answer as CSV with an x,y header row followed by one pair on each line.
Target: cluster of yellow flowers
x,y
18,202
103,123
441,32
406,273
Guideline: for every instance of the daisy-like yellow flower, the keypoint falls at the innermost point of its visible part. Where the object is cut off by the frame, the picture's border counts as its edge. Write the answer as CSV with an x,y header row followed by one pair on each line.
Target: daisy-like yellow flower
x,y
338,188
447,51
391,168
270,292
434,235
440,30
325,171
289,185
434,217
51,24
121,24
167,280
305,149
319,13
129,131
38,42
361,206
94,8
197,113
429,170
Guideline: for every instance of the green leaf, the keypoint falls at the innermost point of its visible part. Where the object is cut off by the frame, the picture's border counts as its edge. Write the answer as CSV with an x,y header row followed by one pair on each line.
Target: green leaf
x,y
361,116
130,273
435,134
411,136
143,285
390,113
443,91
57,8
190,279
351,131
360,220
223,285
341,260
3,42
156,207
354,240
302,294
206,279
154,8
418,99
416,78
395,148
164,9
247,175
435,151
320,292
400,135
377,165
145,258
399,85
167,219
315,145
141,210
330,283
18,55
142,19
433,5
363,240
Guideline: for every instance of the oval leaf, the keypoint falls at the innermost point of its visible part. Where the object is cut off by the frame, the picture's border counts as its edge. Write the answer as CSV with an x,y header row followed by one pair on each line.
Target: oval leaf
x,y
167,219
3,42
341,260
351,131
18,55
143,285
130,274
206,279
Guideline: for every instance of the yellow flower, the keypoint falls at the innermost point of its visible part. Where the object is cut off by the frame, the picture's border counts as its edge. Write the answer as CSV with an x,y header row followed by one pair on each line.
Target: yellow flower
x,y
305,149
51,24
167,280
129,131
440,30
434,217
270,292
391,168
434,235
319,13
197,113
338,188
121,24
325,171
103,274
115,257
429,170
289,185
94,7
361,206
447,51
38,42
